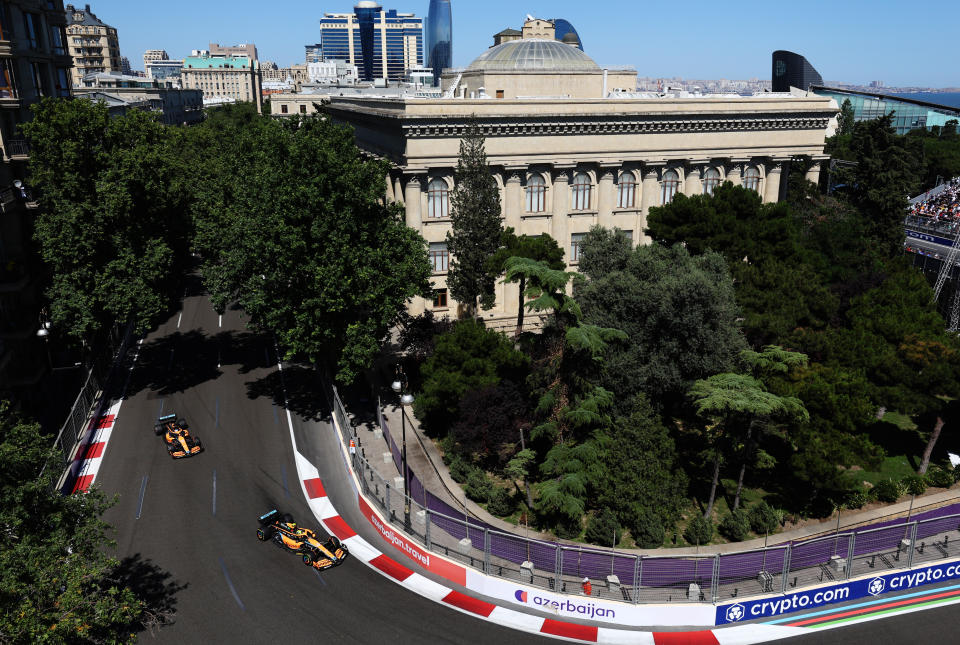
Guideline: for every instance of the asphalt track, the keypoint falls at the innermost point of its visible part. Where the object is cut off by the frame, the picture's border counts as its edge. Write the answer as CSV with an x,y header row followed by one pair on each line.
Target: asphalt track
x,y
186,529
189,539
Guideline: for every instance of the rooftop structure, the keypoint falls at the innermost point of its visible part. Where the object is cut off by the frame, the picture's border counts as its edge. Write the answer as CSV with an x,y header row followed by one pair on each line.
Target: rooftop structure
x,y
122,93
793,70
223,76
908,114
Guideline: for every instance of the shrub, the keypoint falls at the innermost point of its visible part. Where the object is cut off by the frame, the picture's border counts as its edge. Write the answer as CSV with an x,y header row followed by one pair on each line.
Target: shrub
x,y
603,529
459,469
940,477
855,499
914,484
478,487
736,526
956,474
501,502
887,490
647,529
763,518
698,531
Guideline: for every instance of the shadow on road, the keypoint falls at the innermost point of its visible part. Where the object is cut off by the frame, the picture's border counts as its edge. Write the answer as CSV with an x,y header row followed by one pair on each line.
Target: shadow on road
x,y
305,394
154,587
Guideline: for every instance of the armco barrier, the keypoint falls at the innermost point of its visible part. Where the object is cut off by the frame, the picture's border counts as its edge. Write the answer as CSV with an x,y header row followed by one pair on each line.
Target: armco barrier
x,y
778,571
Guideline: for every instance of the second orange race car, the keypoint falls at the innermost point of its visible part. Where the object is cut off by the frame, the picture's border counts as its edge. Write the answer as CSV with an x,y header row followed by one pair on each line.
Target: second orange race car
x,y
284,532
179,441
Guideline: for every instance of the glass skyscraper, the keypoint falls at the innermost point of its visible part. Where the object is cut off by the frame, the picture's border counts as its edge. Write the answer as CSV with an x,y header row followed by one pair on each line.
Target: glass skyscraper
x,y
563,27
439,37
382,44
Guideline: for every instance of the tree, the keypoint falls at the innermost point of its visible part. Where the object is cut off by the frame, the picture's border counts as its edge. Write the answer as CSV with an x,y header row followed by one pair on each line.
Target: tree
x,y
491,423
57,584
112,228
679,316
476,227
540,248
845,120
603,251
468,358
291,223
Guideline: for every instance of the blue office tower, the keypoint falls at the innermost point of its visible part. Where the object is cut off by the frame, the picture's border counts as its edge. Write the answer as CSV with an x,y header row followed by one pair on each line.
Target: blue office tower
x,y
439,38
367,14
563,28
382,44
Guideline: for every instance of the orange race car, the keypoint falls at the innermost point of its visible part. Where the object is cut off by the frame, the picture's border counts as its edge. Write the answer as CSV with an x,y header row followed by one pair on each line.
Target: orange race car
x,y
284,532
180,443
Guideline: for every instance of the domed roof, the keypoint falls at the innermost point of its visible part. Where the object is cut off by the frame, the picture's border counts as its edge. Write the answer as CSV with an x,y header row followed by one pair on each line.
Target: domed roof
x,y
533,54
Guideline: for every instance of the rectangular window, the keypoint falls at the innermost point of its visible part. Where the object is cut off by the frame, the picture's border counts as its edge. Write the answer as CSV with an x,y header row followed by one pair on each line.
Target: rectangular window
x,y
63,83
440,298
283,109
7,88
303,109
56,39
32,21
37,78
439,257
6,32
628,235
575,241
499,94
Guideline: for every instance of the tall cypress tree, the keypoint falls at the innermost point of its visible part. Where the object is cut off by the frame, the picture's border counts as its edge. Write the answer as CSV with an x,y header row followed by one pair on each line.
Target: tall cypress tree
x,y
477,227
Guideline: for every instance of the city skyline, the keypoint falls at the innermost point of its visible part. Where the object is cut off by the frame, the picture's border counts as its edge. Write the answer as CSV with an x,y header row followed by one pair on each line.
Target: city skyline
x,y
853,42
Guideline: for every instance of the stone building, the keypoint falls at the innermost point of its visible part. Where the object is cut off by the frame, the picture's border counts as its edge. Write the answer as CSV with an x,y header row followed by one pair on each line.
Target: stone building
x,y
569,153
92,43
222,76
173,106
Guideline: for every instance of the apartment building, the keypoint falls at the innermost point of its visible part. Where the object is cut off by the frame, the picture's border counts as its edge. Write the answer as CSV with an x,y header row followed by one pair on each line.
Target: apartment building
x,y
92,43
222,78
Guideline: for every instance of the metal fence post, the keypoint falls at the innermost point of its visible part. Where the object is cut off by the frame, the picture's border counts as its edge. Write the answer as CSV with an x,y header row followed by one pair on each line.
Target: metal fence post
x,y
913,544
426,530
558,567
637,575
849,566
387,509
715,578
786,569
486,550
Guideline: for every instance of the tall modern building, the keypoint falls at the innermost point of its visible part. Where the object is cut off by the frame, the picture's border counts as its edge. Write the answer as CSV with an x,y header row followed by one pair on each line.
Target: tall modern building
x,y
92,43
439,38
567,33
382,44
314,53
793,70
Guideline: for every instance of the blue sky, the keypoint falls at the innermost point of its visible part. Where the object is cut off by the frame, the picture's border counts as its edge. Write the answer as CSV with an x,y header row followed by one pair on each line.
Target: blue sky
x,y
846,40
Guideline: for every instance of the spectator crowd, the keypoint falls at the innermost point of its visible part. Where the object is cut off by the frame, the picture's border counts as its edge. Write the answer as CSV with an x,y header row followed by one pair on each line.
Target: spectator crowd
x,y
942,207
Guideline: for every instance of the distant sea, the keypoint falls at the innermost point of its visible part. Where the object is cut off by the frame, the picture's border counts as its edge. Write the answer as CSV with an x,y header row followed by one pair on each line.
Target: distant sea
x,y
943,98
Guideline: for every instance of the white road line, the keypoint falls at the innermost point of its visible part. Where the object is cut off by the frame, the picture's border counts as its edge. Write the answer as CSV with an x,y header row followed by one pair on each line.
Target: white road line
x,y
221,320
180,319
143,489
230,584
214,492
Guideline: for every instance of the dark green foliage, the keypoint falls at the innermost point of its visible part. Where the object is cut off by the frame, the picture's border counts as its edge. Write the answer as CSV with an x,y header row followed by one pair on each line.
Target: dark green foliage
x,y
647,528
679,315
290,222
478,486
539,248
460,469
490,422
113,227
940,477
57,582
603,251
914,484
603,529
699,531
736,526
476,227
845,121
855,499
763,518
469,357
501,502
887,491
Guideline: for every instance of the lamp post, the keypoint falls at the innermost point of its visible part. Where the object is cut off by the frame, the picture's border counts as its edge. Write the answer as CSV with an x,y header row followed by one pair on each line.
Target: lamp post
x,y
399,386
44,333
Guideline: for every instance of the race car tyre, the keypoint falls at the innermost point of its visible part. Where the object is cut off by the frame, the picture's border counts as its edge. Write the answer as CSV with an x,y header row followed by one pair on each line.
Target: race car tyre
x,y
183,423
307,559
335,541
287,518
264,534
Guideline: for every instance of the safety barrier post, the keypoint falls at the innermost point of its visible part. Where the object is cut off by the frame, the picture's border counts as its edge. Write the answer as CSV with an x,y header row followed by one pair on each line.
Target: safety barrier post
x,y
849,566
637,573
426,530
558,568
387,510
715,578
913,544
486,550
786,569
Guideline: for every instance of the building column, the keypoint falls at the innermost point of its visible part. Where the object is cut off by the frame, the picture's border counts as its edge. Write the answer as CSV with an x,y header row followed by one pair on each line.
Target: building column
x,y
398,188
693,183
650,197
771,191
413,215
561,199
390,196
606,195
514,199
813,174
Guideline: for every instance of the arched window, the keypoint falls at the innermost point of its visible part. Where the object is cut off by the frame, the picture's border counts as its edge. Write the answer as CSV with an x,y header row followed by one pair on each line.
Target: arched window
x,y
626,190
671,181
581,192
438,198
536,194
711,179
751,179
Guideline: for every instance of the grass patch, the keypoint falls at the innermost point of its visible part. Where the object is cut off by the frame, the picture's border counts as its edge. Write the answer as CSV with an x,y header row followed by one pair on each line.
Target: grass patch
x,y
895,467
902,421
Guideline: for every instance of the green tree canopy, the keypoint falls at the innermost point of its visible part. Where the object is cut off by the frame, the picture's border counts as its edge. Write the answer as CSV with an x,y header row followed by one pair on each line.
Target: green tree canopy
x,y
540,248
112,227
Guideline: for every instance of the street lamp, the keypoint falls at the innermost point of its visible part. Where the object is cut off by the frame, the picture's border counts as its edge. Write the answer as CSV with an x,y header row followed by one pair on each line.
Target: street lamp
x,y
399,386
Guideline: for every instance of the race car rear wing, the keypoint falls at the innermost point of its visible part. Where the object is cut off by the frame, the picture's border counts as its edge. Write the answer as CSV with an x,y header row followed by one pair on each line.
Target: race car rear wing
x,y
163,421
269,517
